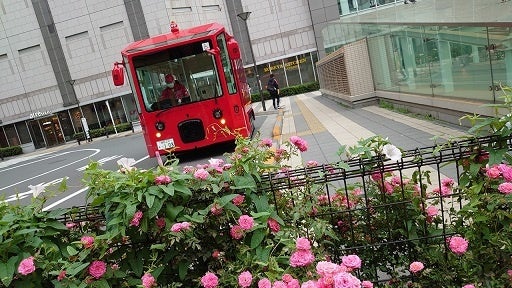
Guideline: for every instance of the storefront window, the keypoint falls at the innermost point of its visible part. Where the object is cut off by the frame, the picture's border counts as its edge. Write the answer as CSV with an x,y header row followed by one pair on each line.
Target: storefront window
x,y
291,66
35,132
116,107
23,132
90,115
66,125
3,139
276,68
12,136
306,66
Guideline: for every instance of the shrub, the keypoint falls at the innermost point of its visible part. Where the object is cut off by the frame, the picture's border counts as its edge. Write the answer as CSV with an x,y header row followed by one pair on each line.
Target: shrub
x,y
288,91
10,151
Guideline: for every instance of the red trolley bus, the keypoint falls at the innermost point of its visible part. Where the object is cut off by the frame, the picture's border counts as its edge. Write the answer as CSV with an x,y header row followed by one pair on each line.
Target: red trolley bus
x,y
190,88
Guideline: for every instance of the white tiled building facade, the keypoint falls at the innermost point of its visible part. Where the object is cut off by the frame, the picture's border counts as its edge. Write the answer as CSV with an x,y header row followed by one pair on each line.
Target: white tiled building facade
x,y
56,56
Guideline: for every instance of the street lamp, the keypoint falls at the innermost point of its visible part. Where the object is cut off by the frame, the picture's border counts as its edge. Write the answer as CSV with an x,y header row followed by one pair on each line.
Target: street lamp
x,y
82,125
244,16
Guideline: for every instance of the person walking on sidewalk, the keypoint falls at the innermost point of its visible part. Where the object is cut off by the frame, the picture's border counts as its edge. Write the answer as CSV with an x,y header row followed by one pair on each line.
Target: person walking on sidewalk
x,y
273,90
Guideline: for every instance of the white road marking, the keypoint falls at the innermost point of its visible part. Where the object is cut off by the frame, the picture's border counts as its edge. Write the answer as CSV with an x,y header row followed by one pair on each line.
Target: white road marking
x,y
79,191
101,161
96,151
22,195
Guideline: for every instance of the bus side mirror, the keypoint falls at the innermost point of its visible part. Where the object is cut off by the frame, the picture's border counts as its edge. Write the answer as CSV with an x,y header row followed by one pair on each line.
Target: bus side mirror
x,y
118,74
233,49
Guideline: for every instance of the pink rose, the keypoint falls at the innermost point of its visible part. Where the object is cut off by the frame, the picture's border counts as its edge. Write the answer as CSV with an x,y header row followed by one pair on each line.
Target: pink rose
x,y
279,284
162,180
201,174
236,232
97,269
493,172
27,266
303,244
300,143
351,261
245,279
309,284
148,280
416,267
266,142
344,279
327,269
216,209
273,225
505,188
366,284
301,258
209,280
246,222
468,286
506,171
87,241
264,283
62,275
458,245
432,211
182,226
136,219
238,200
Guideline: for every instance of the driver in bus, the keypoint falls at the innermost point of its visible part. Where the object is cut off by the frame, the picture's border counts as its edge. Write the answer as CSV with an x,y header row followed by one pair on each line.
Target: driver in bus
x,y
168,92
181,93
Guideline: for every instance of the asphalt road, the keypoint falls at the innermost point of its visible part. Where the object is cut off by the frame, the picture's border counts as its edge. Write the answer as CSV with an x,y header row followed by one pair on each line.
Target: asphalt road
x,y
69,163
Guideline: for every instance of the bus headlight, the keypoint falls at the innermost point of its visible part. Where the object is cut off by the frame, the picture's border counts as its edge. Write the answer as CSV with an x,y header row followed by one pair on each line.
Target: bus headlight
x,y
223,121
158,134
160,126
217,113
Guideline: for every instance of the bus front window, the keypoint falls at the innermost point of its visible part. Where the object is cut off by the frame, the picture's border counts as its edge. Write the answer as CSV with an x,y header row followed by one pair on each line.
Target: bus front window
x,y
167,81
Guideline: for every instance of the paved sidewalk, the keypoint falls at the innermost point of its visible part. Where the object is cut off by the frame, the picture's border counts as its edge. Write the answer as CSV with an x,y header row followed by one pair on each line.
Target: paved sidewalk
x,y
327,125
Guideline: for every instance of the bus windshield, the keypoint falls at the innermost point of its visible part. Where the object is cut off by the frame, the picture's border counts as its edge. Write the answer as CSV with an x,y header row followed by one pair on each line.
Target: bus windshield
x,y
177,76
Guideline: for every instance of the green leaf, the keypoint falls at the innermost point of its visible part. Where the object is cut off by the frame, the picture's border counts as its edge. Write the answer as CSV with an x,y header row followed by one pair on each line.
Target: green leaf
x,y
257,237
71,250
263,254
168,189
101,283
7,270
172,211
244,182
157,205
182,188
25,231
136,264
76,268
261,202
150,199
182,269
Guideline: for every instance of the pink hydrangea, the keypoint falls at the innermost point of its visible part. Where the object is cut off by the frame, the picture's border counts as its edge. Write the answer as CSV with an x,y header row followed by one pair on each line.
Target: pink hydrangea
x,y
162,180
416,267
300,143
236,232
148,280
201,174
87,241
209,280
246,222
245,279
302,258
303,244
136,218
264,283
458,245
97,269
27,266
505,188
351,261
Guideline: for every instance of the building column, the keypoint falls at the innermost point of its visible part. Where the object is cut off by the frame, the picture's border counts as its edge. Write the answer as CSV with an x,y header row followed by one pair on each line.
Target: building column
x,y
508,67
408,60
474,54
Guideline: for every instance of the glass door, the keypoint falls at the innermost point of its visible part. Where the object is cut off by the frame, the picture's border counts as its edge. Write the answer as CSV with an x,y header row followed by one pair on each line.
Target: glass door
x,y
51,130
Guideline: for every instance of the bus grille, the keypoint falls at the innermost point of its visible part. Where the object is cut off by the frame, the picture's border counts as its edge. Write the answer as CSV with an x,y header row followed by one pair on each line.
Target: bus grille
x,y
191,131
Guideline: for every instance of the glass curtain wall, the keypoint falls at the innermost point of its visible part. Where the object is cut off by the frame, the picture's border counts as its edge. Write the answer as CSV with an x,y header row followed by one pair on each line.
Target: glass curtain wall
x,y
466,62
354,6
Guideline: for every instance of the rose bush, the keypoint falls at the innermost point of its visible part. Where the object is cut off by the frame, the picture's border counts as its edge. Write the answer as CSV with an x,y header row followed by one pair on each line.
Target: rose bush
x,y
222,224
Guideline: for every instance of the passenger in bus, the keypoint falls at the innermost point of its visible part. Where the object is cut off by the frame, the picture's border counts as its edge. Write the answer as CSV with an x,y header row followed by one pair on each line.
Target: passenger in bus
x,y
168,94
181,93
